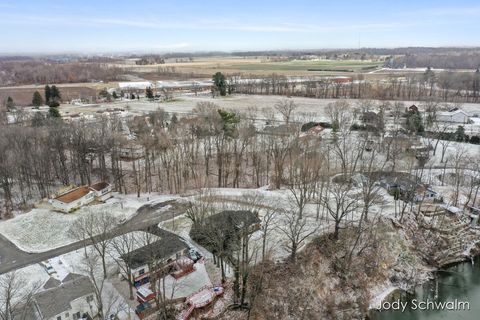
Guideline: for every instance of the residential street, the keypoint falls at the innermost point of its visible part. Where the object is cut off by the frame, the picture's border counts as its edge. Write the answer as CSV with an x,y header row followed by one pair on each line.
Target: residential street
x,y
149,215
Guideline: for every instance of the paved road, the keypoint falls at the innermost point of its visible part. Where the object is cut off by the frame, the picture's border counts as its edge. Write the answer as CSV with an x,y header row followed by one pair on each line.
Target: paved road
x,y
148,215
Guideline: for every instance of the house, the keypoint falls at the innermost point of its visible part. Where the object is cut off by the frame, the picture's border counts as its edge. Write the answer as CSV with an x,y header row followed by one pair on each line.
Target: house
x,y
426,194
78,197
73,199
101,190
401,187
162,254
457,116
71,299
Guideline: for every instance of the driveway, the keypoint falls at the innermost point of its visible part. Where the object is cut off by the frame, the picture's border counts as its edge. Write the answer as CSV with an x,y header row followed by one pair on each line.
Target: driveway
x,y
148,216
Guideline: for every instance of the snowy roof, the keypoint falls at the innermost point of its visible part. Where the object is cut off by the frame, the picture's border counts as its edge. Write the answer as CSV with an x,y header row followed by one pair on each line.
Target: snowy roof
x,y
144,291
135,84
451,113
450,208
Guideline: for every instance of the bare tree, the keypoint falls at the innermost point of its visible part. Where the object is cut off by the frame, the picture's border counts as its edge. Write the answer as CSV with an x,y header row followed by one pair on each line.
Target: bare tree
x,y
16,297
286,108
107,300
339,204
297,230
121,248
95,229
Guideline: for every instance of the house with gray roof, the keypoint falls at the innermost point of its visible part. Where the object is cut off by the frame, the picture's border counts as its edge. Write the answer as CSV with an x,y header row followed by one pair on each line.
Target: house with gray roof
x,y
159,254
71,299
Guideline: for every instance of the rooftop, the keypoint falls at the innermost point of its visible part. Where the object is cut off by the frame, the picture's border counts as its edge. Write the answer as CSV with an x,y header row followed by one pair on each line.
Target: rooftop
x,y
57,300
99,185
73,195
158,250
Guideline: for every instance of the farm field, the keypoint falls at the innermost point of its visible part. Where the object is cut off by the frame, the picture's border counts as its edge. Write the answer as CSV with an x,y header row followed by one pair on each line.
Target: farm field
x,y
260,66
309,65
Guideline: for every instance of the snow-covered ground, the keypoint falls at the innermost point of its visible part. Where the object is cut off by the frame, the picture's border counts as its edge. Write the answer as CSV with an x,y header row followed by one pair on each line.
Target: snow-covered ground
x,y
42,229
380,294
33,277
186,285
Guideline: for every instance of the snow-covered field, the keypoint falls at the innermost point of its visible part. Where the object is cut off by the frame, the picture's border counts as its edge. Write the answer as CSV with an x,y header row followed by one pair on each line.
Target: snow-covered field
x,y
186,103
42,230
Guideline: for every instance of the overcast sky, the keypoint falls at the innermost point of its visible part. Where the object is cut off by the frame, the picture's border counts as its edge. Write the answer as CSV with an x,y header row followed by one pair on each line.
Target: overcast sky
x,y
87,26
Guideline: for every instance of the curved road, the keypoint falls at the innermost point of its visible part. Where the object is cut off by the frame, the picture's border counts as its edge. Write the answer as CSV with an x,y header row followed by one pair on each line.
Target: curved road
x,y
147,216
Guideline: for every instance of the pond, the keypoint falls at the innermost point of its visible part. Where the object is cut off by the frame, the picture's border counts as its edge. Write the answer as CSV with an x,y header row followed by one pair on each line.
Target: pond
x,y
452,289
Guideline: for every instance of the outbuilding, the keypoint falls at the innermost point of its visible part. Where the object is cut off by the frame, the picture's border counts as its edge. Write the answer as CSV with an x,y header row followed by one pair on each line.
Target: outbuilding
x,y
457,116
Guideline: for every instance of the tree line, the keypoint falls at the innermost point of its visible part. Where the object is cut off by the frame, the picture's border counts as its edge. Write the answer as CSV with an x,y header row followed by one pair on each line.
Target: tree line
x,y
447,86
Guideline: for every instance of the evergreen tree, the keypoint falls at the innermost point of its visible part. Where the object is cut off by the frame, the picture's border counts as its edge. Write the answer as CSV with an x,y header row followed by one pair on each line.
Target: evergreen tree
x,y
53,112
52,96
37,99
460,134
114,95
149,93
229,121
56,93
48,93
10,103
220,83
415,122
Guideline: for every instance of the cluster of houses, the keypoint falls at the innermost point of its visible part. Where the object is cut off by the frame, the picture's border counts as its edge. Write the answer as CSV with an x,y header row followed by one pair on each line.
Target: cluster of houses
x,y
169,256
410,190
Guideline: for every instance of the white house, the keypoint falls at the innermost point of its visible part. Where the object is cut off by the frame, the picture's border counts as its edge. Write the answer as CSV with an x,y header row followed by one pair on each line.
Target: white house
x,y
72,299
73,199
81,196
457,116
102,190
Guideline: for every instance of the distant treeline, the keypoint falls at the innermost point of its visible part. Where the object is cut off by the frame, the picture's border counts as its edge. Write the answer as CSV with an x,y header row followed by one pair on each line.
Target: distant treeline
x,y
438,86
464,60
44,72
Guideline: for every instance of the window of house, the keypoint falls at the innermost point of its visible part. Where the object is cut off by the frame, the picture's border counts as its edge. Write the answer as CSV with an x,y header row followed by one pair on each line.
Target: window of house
x,y
141,271
59,318
67,315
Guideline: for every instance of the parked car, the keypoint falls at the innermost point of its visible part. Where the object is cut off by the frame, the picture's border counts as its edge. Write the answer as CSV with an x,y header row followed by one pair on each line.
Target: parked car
x,y
48,268
194,255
